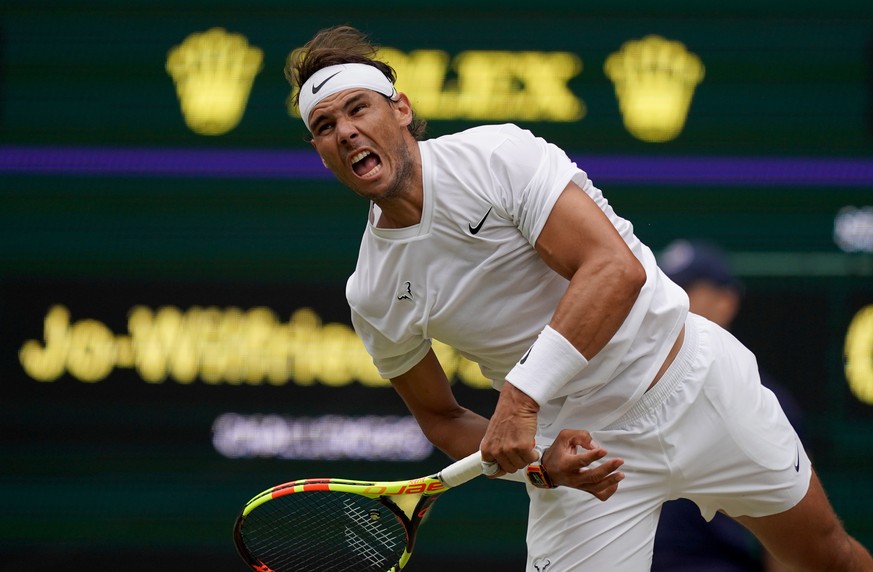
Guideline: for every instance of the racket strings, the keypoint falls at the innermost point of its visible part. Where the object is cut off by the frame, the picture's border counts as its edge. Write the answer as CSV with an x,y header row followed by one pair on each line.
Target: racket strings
x,y
369,538
328,531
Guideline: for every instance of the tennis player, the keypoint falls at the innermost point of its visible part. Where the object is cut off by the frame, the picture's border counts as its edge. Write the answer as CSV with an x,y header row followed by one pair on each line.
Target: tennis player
x,y
494,242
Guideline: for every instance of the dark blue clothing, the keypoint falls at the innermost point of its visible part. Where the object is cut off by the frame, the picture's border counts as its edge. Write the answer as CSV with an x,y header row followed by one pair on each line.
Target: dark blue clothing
x,y
686,542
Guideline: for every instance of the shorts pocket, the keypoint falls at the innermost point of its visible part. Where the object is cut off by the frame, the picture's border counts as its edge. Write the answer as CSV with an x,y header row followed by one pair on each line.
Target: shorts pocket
x,y
756,423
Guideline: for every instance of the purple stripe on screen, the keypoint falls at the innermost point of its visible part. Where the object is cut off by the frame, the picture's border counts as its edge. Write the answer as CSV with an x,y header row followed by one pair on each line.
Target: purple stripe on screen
x,y
305,164
162,162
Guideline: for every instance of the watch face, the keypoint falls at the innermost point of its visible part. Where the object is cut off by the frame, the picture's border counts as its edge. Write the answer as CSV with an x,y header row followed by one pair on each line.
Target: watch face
x,y
538,477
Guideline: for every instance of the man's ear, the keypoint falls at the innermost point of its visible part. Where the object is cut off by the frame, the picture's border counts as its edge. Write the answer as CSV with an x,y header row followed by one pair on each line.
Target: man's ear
x,y
403,109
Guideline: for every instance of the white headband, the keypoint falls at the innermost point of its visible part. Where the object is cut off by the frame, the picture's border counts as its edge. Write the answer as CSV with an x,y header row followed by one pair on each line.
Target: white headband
x,y
332,79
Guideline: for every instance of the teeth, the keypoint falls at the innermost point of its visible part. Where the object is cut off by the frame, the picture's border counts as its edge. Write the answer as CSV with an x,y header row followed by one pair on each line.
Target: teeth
x,y
373,171
359,156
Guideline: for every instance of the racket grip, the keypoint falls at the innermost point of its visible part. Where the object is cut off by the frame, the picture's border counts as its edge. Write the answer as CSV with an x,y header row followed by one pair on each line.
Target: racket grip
x,y
462,471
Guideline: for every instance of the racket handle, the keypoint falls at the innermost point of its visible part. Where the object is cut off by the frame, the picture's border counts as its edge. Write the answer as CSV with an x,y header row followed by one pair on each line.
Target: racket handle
x,y
472,466
462,471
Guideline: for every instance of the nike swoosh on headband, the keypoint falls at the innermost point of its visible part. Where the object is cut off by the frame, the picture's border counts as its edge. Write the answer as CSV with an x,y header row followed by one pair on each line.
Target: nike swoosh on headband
x,y
317,88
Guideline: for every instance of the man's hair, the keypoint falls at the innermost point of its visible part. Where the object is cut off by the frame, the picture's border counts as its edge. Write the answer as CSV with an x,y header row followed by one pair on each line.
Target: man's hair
x,y
339,45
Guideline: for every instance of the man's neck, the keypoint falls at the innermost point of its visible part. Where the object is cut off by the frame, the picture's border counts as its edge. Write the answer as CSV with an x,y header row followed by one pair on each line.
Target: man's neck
x,y
403,207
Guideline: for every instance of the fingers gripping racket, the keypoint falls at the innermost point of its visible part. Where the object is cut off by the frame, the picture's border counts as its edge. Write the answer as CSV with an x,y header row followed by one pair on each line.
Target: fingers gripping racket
x,y
343,525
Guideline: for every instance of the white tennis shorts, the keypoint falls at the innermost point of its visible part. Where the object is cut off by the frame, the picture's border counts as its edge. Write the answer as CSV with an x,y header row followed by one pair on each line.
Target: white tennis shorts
x,y
708,431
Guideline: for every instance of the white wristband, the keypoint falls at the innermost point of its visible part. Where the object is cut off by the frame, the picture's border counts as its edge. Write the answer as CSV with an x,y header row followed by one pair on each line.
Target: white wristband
x,y
547,366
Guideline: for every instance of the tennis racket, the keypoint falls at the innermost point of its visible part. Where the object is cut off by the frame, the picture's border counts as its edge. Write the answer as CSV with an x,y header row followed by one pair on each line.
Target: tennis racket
x,y
343,525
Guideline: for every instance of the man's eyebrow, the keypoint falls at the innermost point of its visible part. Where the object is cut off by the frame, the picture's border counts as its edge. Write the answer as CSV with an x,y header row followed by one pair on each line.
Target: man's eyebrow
x,y
315,120
352,100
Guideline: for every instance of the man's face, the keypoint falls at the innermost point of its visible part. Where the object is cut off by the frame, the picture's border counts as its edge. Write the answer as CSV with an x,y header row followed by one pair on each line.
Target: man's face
x,y
363,139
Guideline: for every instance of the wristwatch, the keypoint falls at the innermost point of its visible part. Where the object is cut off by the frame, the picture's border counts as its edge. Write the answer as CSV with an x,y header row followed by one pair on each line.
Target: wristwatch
x,y
536,473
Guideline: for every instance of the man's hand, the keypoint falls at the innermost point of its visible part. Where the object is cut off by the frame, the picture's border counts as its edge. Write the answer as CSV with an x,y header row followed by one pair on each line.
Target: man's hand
x,y
567,466
509,439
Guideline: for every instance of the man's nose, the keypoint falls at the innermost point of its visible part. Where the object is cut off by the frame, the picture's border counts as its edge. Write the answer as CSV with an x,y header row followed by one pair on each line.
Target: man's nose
x,y
346,131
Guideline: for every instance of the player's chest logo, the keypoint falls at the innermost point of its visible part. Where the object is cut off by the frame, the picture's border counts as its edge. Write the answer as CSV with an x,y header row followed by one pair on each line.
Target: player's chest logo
x,y
405,292
474,229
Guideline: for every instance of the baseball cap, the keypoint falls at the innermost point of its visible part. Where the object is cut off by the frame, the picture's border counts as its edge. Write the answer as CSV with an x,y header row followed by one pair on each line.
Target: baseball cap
x,y
687,261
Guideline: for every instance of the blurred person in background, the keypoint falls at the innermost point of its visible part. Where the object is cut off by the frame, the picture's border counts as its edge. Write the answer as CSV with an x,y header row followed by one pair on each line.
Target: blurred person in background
x,y
684,541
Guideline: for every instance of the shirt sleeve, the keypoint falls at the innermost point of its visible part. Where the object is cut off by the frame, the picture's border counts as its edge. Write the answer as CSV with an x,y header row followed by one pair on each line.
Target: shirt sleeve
x,y
530,175
391,357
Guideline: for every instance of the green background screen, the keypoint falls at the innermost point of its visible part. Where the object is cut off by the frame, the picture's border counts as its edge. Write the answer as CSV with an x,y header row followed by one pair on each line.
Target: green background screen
x,y
109,202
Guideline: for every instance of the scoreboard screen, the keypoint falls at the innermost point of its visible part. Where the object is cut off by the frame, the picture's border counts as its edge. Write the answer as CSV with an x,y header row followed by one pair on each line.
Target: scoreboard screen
x,y
175,337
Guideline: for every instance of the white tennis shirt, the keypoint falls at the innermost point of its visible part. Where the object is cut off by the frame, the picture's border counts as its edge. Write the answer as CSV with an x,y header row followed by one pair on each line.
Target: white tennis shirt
x,y
468,275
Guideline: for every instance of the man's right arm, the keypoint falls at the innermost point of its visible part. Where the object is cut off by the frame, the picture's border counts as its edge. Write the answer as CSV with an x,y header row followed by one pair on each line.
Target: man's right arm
x,y
426,390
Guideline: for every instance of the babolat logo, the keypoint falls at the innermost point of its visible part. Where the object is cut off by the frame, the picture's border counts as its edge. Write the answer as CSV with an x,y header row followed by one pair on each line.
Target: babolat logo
x,y
411,488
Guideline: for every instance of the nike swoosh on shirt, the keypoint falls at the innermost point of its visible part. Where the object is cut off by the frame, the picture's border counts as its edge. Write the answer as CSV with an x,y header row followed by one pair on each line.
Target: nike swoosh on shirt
x,y
317,88
478,227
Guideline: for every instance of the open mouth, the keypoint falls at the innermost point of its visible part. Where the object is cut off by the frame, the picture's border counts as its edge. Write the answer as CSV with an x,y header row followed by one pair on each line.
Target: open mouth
x,y
366,164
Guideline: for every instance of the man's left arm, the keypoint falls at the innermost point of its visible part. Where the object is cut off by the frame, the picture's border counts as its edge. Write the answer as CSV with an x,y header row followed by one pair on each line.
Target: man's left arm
x,y
579,242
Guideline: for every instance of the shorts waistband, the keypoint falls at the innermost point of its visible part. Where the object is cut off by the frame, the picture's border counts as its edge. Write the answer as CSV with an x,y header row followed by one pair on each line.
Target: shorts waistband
x,y
668,383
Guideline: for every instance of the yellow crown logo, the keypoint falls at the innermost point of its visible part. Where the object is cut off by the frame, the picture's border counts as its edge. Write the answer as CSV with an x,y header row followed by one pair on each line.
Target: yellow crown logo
x,y
654,80
214,72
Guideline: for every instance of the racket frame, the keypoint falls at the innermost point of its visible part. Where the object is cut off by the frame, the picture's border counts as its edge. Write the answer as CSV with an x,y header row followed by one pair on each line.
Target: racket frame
x,y
427,489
